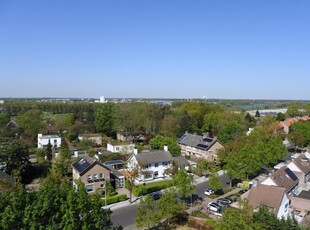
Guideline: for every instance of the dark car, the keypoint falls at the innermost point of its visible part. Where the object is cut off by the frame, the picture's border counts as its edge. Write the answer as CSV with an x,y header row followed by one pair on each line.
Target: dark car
x,y
223,201
156,195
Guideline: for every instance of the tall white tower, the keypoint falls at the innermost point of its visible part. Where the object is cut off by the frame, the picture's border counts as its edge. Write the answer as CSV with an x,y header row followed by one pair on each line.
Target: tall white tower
x,y
102,99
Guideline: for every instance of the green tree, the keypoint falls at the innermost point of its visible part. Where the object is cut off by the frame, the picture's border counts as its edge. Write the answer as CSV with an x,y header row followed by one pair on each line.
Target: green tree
x,y
241,218
17,160
184,183
49,152
280,116
230,132
4,119
31,121
257,114
170,126
147,213
158,142
215,182
169,205
105,118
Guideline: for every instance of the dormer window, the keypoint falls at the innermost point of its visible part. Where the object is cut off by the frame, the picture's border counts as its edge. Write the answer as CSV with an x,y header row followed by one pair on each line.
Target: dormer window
x,y
89,177
101,176
95,176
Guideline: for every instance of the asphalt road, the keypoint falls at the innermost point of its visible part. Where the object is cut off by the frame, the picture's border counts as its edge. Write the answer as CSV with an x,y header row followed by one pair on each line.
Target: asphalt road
x,y
125,216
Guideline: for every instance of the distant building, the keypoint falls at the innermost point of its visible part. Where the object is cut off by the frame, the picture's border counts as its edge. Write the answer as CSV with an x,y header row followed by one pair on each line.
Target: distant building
x,y
44,139
120,147
94,137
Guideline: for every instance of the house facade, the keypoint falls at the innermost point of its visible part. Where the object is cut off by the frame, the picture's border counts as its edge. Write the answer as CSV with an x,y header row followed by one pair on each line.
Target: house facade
x,y
273,197
121,147
93,137
150,165
198,146
283,178
301,168
91,173
43,141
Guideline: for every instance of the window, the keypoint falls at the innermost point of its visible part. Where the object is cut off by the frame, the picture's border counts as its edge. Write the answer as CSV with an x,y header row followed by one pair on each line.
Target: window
x,y
89,177
101,176
89,188
156,164
165,163
156,173
95,176
101,185
149,165
117,148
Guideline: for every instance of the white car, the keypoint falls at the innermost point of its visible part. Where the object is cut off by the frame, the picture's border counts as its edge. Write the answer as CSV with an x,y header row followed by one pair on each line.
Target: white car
x,y
209,191
214,207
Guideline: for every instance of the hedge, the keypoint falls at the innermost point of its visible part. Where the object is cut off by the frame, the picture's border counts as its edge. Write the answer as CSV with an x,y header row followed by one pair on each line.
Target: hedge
x,y
144,189
114,199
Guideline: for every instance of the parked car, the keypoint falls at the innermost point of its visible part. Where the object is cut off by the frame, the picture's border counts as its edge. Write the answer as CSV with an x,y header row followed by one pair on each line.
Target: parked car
x,y
215,207
223,201
209,191
156,195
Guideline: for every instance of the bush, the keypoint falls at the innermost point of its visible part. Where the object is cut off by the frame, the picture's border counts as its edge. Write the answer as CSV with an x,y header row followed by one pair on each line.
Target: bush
x,y
144,189
211,223
114,199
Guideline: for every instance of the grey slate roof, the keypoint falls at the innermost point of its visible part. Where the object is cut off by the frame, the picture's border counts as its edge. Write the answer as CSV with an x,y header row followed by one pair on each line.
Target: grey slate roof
x,y
114,162
5,176
115,172
181,161
285,178
196,141
153,157
83,164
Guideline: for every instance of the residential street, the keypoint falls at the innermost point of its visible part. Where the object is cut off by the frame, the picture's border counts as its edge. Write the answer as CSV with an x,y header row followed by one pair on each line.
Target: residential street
x,y
125,216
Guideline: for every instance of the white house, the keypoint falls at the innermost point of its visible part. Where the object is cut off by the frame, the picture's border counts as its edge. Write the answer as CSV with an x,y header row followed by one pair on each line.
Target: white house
x,y
120,147
151,165
274,197
44,139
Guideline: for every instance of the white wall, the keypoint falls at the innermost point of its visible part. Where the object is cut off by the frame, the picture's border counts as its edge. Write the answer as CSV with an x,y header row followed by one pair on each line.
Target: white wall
x,y
43,141
284,208
160,169
269,182
120,148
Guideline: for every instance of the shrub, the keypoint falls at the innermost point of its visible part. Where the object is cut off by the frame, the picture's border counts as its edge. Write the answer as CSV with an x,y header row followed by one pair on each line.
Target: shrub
x,y
144,189
114,199
228,189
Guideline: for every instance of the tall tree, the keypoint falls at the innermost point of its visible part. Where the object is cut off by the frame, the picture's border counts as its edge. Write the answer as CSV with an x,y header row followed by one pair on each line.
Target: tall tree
x,y
215,182
158,142
184,183
105,118
169,205
148,213
17,160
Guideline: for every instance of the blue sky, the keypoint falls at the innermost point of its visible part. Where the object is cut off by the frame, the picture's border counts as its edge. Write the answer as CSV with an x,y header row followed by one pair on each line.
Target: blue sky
x,y
169,49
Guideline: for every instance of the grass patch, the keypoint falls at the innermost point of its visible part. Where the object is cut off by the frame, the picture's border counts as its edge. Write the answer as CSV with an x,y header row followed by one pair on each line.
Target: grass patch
x,y
199,214
144,189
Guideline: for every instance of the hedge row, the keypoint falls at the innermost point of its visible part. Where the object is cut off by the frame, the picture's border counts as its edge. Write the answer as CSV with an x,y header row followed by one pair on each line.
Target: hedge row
x,y
144,189
114,199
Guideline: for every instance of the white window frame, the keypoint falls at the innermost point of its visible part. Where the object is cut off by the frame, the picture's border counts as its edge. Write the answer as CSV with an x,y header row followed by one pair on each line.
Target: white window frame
x,y
90,185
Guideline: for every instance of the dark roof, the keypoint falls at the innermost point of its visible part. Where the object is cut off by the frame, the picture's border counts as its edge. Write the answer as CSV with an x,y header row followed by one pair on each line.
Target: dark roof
x,y
285,178
181,161
83,164
114,162
115,172
304,194
271,196
303,163
196,141
132,133
5,176
155,156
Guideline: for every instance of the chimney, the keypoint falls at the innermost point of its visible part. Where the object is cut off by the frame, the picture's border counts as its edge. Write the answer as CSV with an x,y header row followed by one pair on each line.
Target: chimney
x,y
255,183
166,148
205,135
76,153
135,151
39,135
